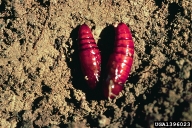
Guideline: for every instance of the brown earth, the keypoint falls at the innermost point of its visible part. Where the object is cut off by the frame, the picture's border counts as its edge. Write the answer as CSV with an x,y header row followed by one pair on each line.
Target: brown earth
x,y
40,81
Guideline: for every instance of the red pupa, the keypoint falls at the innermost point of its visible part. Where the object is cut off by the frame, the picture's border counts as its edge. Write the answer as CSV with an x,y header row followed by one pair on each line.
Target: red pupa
x,y
89,55
119,63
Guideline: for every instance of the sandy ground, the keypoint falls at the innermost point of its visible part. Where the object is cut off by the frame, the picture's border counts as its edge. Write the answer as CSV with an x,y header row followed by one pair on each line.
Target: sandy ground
x,y
40,81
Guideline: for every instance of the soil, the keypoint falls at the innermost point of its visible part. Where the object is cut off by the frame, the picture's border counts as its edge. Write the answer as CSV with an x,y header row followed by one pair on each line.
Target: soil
x,y
41,84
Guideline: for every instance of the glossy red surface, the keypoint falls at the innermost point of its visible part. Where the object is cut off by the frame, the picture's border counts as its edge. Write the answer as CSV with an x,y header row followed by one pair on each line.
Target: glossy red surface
x,y
90,57
120,62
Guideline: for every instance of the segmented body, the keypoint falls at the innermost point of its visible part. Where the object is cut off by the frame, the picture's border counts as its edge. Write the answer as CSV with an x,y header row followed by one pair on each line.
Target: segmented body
x,y
90,57
120,62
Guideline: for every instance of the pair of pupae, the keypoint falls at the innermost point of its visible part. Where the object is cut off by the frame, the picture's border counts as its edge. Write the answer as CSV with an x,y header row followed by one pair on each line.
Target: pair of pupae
x,y
119,63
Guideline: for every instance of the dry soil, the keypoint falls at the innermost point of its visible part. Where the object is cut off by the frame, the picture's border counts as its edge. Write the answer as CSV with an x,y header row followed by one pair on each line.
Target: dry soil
x,y
41,85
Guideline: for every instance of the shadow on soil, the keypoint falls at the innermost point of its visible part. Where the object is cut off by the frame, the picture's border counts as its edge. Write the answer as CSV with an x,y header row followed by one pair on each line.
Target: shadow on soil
x,y
173,10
